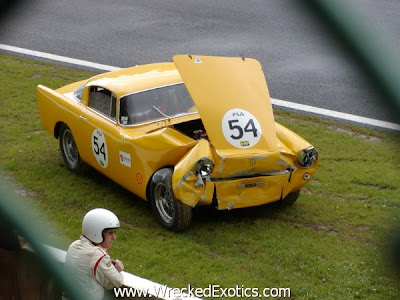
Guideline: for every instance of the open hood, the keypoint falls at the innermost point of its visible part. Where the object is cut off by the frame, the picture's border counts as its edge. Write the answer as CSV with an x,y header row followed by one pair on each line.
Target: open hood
x,y
232,98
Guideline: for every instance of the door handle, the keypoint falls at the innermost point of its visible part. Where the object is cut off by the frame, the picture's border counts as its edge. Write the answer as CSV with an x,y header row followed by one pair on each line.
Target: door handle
x,y
82,118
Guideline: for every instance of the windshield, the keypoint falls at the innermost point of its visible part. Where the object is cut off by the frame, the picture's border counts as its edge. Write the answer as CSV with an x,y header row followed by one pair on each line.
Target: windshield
x,y
79,92
162,102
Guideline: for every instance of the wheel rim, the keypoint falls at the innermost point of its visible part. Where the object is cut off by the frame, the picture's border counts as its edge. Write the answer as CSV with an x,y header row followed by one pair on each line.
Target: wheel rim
x,y
164,201
69,148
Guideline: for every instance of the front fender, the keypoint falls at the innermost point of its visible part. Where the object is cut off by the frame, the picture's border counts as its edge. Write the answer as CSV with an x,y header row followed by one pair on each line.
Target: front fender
x,y
188,187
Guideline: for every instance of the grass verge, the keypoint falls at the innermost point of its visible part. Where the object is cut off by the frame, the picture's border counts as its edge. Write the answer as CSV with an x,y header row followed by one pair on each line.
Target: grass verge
x,y
331,244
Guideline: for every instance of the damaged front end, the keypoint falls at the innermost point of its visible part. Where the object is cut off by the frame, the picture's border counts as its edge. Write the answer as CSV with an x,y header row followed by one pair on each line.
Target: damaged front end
x,y
233,180
243,157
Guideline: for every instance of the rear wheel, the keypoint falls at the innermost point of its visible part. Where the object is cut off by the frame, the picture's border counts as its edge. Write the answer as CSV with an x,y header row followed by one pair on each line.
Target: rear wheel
x,y
68,149
170,212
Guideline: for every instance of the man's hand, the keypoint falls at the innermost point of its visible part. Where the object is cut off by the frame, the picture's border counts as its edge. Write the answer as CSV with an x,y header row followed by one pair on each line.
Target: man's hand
x,y
118,265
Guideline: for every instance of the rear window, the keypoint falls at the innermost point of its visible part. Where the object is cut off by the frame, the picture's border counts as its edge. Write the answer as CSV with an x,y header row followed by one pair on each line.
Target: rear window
x,y
103,101
158,103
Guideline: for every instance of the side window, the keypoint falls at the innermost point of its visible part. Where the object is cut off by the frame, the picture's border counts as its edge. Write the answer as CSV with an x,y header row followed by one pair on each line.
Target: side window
x,y
113,105
103,101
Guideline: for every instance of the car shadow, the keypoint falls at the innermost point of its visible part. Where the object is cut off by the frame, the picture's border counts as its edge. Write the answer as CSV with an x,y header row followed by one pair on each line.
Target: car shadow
x,y
211,215
203,216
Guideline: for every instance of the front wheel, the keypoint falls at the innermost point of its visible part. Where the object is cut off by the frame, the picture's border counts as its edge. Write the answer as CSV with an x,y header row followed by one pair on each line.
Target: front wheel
x,y
291,198
68,149
170,212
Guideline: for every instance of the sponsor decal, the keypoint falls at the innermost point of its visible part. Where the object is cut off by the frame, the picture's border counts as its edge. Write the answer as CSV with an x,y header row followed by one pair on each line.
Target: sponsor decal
x,y
124,120
240,128
125,159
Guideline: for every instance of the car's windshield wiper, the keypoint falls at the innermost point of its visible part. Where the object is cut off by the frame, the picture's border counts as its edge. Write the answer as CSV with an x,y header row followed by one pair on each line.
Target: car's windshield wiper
x,y
161,113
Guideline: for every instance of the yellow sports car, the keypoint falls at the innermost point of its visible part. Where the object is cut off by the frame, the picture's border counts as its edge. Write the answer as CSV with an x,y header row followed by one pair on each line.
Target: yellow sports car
x,y
198,131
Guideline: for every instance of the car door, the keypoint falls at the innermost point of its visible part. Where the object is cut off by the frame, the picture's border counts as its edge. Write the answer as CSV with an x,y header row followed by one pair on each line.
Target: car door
x,y
101,132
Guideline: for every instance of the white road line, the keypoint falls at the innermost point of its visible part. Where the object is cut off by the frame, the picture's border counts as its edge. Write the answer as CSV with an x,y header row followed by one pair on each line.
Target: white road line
x,y
281,103
336,114
58,58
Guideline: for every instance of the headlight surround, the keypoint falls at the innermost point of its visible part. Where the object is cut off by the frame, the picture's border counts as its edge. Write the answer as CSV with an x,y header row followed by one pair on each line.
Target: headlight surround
x,y
204,167
307,157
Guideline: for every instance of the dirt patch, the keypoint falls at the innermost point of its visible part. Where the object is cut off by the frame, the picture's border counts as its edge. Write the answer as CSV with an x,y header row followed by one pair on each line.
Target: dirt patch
x,y
217,255
323,228
40,131
375,186
339,198
359,135
315,181
318,227
356,231
36,75
22,192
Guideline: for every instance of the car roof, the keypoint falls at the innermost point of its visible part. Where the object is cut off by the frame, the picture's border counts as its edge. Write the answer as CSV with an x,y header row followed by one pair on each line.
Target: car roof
x,y
130,80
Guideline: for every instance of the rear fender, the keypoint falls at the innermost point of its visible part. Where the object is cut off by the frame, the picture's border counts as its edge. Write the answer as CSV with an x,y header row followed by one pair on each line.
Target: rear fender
x,y
55,107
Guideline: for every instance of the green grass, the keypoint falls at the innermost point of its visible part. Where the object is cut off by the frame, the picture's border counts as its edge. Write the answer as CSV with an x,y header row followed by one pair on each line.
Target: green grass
x,y
331,244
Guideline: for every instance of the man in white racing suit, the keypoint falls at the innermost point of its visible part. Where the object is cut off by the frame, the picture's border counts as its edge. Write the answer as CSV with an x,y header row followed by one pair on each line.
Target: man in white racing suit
x,y
87,259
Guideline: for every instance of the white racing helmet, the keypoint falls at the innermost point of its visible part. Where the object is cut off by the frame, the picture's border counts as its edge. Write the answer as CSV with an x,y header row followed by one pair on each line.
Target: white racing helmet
x,y
95,221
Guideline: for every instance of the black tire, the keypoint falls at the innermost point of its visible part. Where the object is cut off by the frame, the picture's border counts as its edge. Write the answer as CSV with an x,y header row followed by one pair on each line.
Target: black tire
x,y
170,212
68,149
290,199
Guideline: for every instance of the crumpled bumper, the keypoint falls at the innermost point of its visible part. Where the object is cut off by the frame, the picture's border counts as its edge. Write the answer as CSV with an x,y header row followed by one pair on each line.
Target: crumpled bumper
x,y
246,192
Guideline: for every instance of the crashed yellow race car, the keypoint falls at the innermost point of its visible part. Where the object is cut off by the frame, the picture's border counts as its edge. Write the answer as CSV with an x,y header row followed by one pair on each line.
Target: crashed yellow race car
x,y
198,131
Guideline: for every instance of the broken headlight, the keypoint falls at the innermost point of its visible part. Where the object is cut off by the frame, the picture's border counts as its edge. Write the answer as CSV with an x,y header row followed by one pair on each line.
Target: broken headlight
x,y
307,156
204,167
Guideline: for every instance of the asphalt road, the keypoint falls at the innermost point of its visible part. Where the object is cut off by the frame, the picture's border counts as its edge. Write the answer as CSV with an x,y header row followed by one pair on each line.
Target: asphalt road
x,y
302,61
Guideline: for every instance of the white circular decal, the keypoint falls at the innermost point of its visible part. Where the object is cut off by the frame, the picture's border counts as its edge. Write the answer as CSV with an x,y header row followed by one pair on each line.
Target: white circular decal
x,y
99,148
241,129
